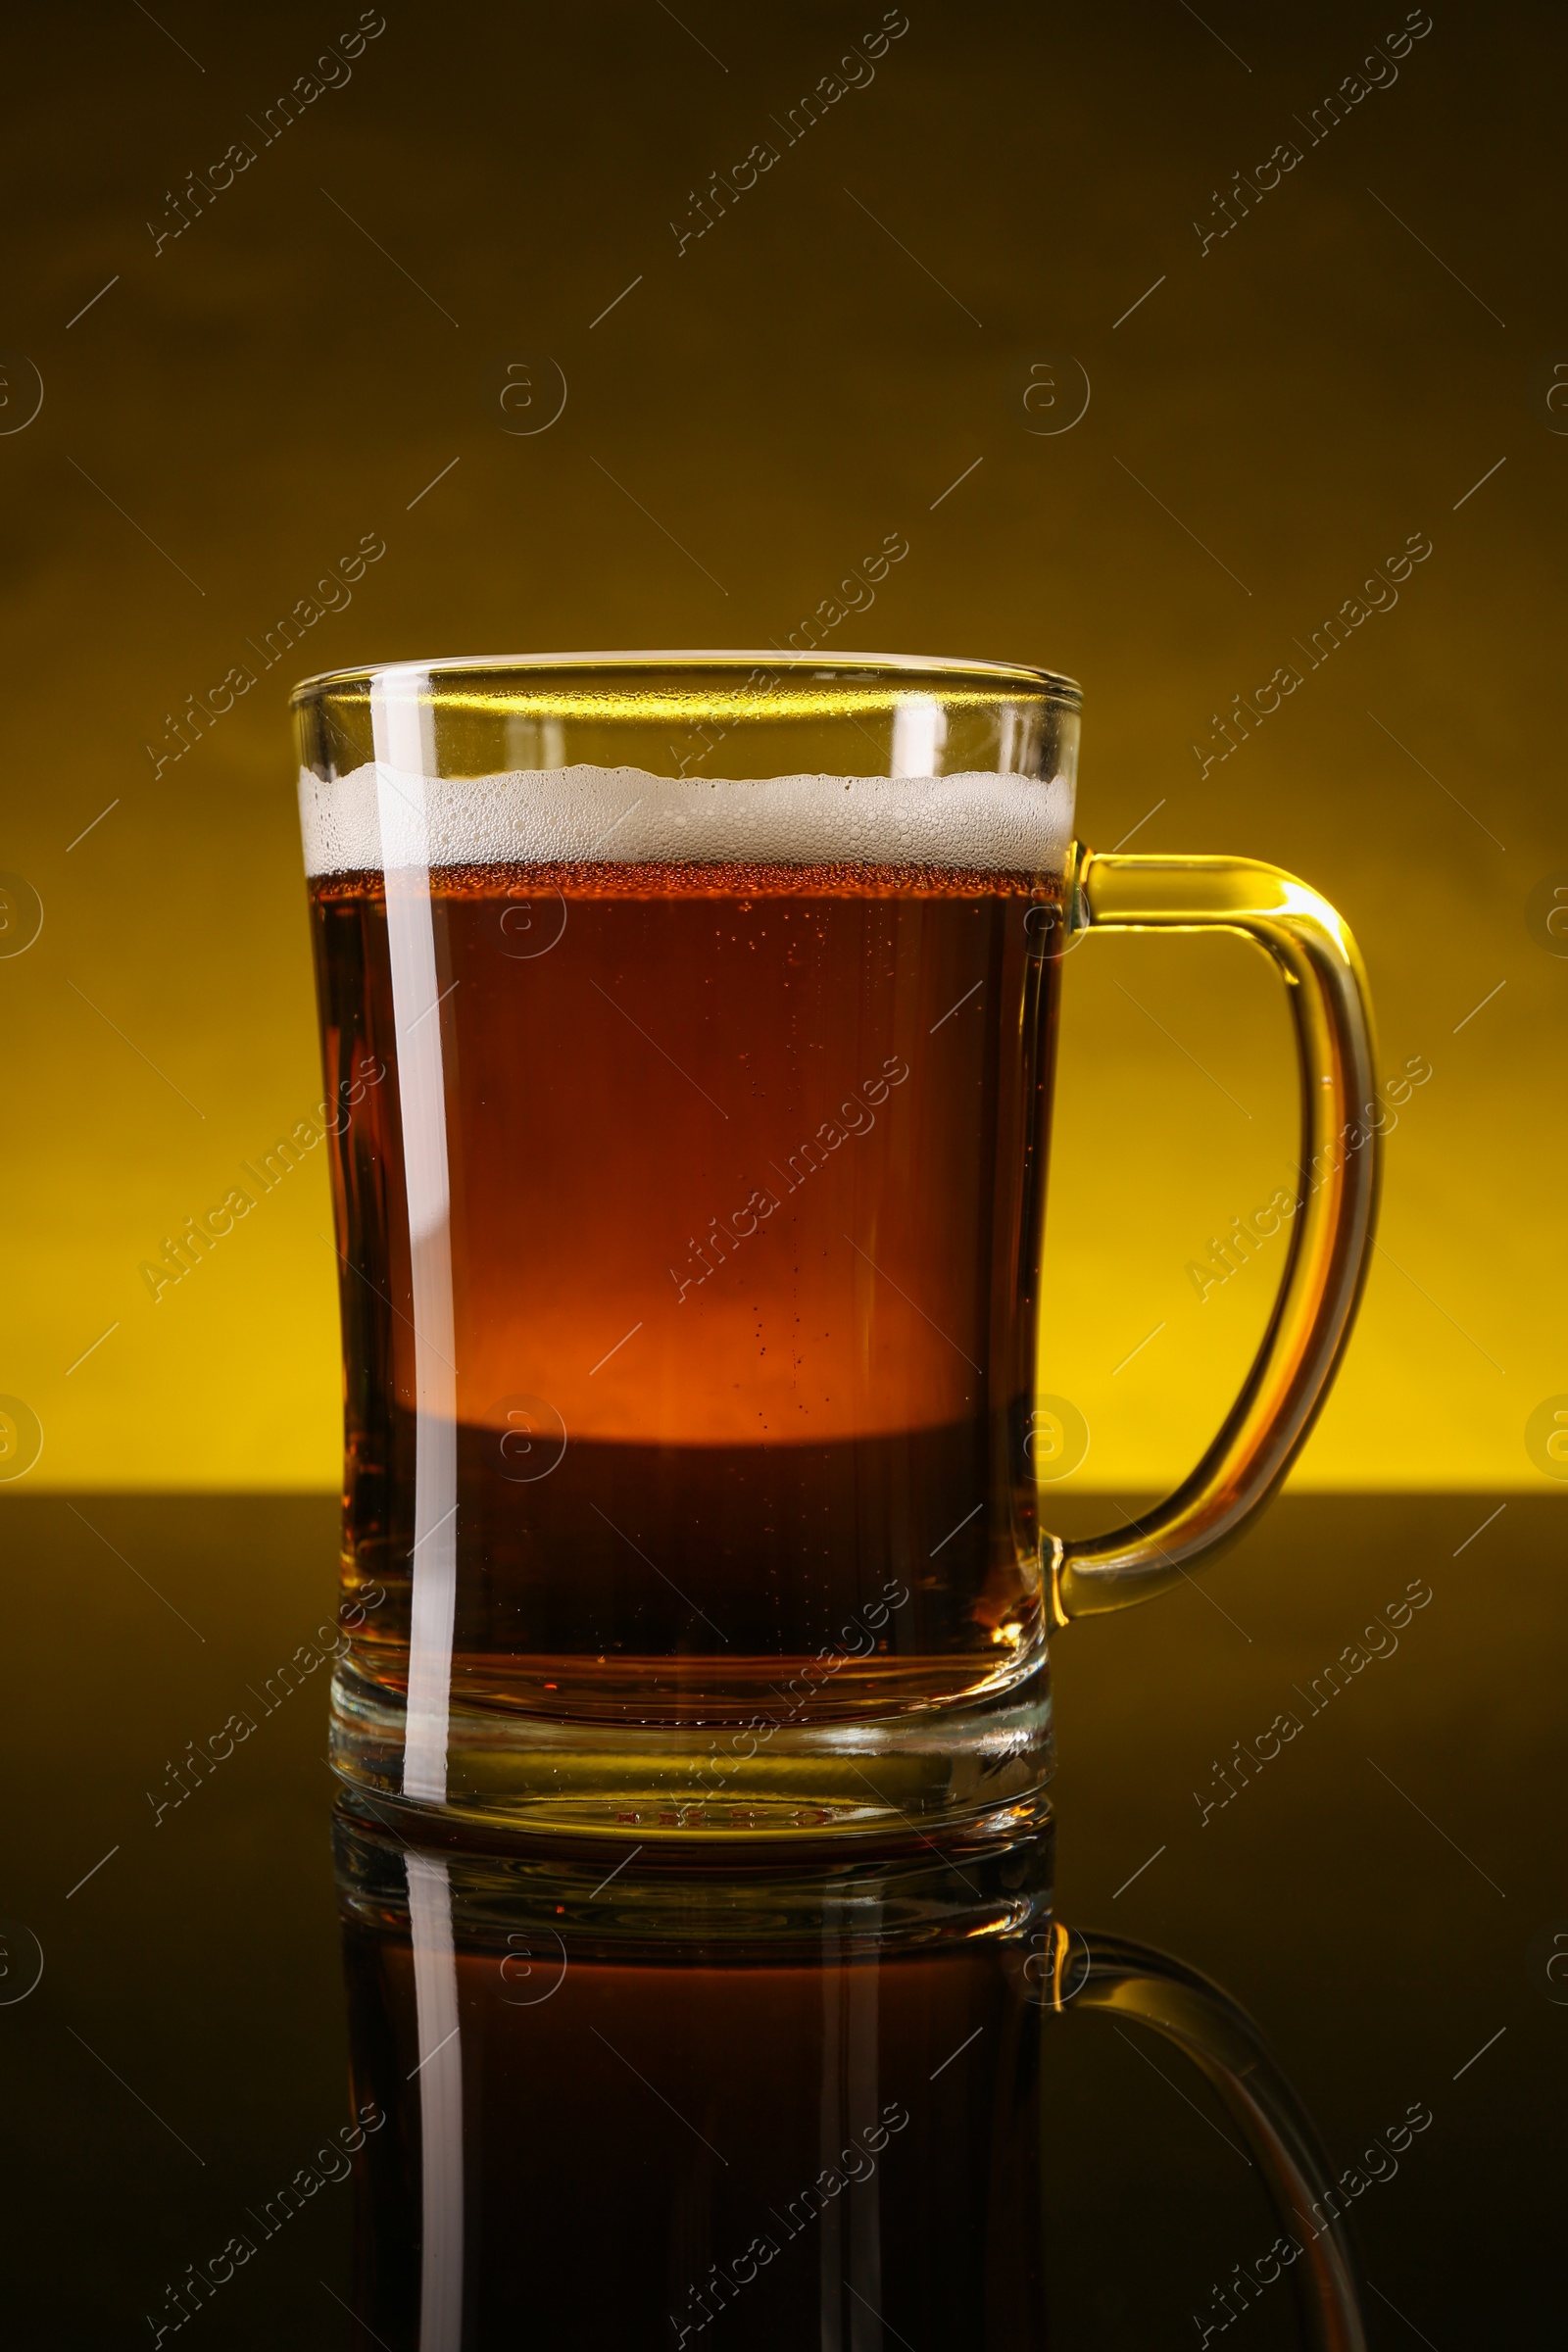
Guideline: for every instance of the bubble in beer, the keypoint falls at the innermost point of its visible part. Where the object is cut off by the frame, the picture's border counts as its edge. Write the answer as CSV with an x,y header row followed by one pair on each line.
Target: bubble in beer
x,y
1055,393
21,1438
525,1438
1547,1437
21,914
21,391
532,395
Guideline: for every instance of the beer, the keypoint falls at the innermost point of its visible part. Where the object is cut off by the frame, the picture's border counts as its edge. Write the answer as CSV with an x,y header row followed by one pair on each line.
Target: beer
x,y
848,2100
639,2138
745,1162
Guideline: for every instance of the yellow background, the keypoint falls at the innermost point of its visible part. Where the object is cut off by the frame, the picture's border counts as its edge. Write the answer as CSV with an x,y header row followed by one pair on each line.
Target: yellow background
x,y
751,420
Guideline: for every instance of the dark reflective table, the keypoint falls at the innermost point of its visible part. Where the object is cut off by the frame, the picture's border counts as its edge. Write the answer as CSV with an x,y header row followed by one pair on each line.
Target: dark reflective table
x,y
1329,1777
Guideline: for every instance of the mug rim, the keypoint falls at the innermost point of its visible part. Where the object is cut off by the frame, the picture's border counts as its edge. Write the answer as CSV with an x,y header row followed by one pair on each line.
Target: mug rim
x,y
960,671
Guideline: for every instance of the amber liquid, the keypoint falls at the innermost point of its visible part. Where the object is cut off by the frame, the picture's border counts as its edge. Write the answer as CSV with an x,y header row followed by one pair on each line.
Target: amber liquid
x,y
843,2153
746,1176
815,2182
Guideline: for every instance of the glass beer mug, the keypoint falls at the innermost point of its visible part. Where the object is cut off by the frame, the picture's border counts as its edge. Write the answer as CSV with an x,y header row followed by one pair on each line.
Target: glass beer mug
x,y
689,1023
778,2097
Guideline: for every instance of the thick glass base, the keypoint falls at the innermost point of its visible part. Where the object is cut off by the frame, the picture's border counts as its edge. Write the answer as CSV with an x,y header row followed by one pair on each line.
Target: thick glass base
x,y
909,1775
537,1904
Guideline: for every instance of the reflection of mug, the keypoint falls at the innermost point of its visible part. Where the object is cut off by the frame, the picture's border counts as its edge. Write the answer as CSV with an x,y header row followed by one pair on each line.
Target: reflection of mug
x,y
735,1181
765,2103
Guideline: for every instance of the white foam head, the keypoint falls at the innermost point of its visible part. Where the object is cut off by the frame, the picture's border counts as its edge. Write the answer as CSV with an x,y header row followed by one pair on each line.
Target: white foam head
x,y
379,817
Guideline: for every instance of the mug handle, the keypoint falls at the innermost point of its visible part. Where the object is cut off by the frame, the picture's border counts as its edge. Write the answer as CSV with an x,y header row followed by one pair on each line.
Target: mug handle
x,y
1147,1987
1332,1222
